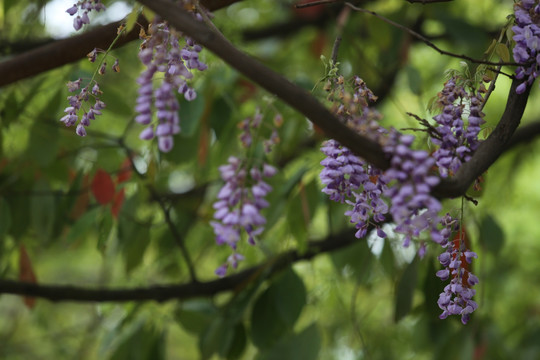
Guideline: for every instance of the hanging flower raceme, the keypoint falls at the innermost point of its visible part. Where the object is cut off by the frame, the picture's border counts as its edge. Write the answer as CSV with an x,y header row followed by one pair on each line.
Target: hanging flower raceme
x,y
409,181
242,198
90,91
456,298
346,177
527,38
413,208
455,142
164,59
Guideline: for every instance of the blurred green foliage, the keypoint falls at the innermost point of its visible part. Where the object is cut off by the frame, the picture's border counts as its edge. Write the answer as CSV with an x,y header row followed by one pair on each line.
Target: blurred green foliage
x,y
354,303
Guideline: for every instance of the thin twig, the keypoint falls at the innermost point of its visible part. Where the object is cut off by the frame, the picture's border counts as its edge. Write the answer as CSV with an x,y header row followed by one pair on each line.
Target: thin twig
x,y
315,3
426,41
424,2
167,214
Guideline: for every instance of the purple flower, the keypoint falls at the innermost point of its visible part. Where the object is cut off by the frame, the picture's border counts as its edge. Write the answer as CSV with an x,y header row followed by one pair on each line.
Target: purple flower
x,y
456,299
87,6
161,53
239,204
527,39
75,104
456,143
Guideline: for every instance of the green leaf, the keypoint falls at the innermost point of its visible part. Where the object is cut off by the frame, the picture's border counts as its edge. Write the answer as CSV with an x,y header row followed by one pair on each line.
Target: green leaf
x,y
502,51
135,239
267,326
190,114
84,225
105,228
432,287
218,336
216,339
42,213
305,346
388,259
145,342
43,143
131,19
219,118
405,290
491,235
5,218
238,343
133,234
357,256
195,315
300,210
272,317
414,79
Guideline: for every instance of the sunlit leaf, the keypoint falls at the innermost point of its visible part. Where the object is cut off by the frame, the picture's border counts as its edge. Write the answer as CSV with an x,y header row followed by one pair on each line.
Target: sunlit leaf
x,y
502,51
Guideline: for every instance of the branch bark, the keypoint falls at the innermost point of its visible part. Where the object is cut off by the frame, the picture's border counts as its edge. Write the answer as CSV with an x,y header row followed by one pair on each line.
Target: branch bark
x,y
271,81
162,293
65,51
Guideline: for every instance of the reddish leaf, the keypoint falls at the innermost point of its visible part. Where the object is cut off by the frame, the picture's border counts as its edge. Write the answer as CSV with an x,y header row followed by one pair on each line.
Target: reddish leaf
x,y
26,274
462,237
204,141
117,203
125,172
103,187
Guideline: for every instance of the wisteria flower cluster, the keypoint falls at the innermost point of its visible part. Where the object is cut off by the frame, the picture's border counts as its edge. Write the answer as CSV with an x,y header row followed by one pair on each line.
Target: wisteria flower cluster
x,y
76,103
413,208
161,54
404,190
456,299
455,142
82,8
242,197
527,38
349,179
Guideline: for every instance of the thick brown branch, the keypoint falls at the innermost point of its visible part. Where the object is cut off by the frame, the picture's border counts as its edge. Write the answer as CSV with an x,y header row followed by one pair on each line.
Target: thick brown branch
x,y
182,291
274,83
490,149
65,51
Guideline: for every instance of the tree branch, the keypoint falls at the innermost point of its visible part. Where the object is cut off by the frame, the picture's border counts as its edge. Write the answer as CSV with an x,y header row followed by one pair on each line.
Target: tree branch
x,y
183,291
274,83
65,51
